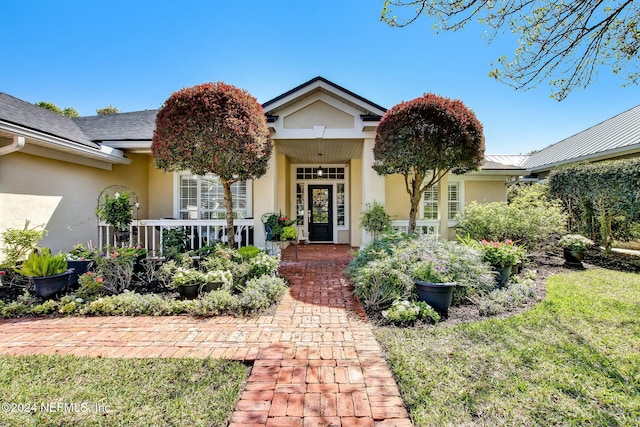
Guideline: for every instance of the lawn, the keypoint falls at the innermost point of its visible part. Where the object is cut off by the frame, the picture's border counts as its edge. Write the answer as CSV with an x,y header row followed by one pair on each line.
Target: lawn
x,y
574,359
61,391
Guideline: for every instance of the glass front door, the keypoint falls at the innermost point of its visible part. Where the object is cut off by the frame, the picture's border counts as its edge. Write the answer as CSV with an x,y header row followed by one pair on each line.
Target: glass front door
x,y
321,213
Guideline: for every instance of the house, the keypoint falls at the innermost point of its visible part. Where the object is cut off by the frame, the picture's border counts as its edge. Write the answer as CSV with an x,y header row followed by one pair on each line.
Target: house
x,y
53,169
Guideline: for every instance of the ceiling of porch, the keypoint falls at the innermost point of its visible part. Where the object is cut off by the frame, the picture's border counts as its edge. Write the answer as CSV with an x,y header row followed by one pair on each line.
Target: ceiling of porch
x,y
320,150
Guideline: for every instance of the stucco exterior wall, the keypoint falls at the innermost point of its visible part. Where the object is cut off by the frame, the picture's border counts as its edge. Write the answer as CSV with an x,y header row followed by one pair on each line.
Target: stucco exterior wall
x,y
397,203
319,113
161,192
485,191
62,196
355,196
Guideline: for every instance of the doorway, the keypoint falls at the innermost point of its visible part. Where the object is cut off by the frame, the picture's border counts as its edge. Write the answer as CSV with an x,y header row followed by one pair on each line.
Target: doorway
x,y
321,213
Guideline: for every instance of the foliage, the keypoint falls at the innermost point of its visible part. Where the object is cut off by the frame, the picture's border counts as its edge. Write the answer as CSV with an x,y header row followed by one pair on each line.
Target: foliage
x,y
530,218
187,276
288,233
248,252
577,348
19,243
375,220
213,128
67,112
259,293
42,264
277,222
506,299
562,42
379,283
91,284
174,242
575,242
375,250
107,110
600,198
116,211
116,269
431,272
404,312
79,252
501,254
428,136
263,264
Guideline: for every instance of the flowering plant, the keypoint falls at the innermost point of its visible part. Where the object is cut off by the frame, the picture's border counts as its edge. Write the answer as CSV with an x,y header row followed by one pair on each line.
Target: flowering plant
x,y
277,222
2,274
80,253
501,254
187,276
403,311
431,272
263,264
215,276
575,242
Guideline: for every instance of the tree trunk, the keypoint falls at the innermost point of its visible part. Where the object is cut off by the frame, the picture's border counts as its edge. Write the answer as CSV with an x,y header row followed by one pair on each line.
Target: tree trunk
x,y
228,205
413,213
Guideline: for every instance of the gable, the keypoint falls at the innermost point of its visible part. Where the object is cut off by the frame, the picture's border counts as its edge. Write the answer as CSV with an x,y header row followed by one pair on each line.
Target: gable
x,y
319,113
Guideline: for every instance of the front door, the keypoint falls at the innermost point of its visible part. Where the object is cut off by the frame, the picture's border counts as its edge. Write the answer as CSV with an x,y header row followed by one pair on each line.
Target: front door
x,y
321,213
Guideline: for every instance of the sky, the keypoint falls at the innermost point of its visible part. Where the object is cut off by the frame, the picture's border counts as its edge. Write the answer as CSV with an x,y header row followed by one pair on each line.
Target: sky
x,y
132,54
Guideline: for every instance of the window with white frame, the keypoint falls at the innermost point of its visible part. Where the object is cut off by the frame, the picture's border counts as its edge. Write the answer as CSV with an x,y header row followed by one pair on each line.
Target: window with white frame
x,y
202,197
430,201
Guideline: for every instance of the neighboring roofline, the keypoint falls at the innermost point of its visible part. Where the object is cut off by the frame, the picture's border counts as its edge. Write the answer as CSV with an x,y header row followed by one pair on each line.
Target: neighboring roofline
x,y
600,155
323,80
85,143
60,144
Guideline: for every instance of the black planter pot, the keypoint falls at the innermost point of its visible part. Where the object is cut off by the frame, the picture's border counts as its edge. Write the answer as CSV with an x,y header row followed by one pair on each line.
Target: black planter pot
x,y
80,267
437,295
573,257
504,273
212,286
48,286
189,291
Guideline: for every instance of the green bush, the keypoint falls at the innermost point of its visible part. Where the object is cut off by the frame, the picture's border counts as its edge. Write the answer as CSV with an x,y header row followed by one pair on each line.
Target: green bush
x,y
375,220
529,219
379,283
260,293
42,264
406,312
376,250
248,252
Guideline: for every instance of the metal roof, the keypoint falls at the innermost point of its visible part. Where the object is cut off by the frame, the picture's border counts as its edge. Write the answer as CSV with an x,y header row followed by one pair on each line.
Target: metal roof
x,y
617,136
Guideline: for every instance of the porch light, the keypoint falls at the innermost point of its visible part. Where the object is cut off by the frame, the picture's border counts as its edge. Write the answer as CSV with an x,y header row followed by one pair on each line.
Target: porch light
x,y
319,170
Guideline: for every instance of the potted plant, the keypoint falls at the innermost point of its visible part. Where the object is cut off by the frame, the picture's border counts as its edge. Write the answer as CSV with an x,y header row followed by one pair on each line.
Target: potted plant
x,y
188,282
215,279
116,211
81,260
573,246
375,220
502,256
434,285
275,223
49,273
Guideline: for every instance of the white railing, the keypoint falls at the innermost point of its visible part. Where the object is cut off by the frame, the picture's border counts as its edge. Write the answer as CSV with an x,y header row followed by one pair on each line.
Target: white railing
x,y
149,233
423,227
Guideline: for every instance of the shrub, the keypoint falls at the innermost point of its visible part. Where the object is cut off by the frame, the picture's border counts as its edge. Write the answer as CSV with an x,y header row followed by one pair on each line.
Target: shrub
x,y
248,252
213,303
19,243
262,264
529,219
41,264
403,312
91,285
260,293
377,250
375,220
506,299
379,283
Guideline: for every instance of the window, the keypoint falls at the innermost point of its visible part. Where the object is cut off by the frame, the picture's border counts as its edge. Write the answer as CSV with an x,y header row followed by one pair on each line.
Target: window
x,y
202,197
431,198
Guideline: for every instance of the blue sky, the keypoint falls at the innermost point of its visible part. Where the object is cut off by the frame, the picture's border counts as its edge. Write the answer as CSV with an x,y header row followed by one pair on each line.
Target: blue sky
x,y
134,54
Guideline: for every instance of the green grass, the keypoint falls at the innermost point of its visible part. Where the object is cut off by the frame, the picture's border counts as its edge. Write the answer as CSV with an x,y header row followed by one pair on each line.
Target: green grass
x,y
125,392
574,359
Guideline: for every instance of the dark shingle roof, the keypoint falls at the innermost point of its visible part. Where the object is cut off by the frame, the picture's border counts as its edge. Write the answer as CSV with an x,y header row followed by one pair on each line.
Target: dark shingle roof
x,y
618,135
22,113
135,126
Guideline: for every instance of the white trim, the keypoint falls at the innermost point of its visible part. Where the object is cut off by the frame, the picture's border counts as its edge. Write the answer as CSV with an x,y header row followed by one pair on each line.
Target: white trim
x,y
176,194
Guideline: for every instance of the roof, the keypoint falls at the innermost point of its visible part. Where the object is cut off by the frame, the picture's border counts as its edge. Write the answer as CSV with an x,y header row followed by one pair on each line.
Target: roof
x,y
267,106
613,137
134,126
30,116
504,161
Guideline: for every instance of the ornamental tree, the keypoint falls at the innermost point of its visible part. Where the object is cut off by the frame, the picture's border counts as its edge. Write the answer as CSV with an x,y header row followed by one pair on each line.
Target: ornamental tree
x,y
424,139
213,128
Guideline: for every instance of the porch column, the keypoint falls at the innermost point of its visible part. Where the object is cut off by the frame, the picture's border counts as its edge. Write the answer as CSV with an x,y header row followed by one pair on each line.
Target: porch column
x,y
264,199
443,206
373,185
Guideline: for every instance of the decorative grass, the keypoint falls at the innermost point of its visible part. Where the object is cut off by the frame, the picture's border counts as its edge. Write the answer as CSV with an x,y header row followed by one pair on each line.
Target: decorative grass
x,y
80,391
572,360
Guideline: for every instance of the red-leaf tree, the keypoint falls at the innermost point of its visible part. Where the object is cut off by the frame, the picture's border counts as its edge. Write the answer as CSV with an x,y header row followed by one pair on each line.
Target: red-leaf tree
x,y
424,139
213,128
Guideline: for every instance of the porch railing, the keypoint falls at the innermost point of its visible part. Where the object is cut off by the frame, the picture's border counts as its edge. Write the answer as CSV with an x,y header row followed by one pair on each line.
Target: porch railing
x,y
423,227
149,233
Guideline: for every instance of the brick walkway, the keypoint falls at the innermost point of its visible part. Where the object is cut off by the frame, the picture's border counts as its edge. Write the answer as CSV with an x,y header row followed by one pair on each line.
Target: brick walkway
x,y
315,361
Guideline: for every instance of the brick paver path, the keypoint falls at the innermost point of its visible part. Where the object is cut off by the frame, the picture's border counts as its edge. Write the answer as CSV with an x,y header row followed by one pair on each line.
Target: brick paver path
x,y
315,360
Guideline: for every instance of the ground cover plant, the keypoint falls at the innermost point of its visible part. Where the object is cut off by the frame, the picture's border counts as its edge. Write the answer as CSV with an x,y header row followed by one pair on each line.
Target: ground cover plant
x,y
125,282
118,392
573,359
